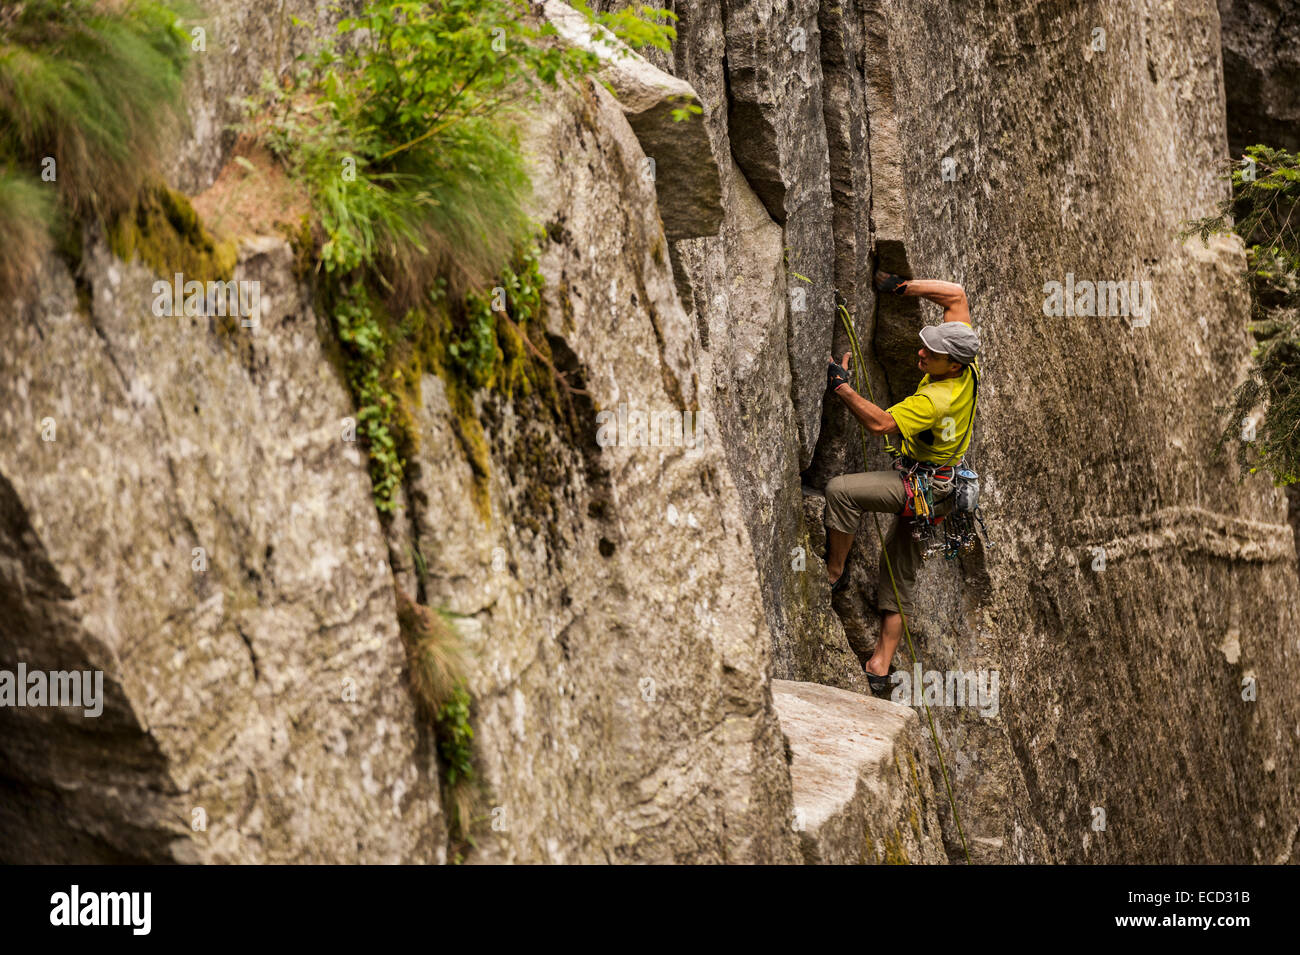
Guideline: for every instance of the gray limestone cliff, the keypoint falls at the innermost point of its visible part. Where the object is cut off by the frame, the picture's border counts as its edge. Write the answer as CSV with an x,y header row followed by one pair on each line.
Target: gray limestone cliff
x,y
658,671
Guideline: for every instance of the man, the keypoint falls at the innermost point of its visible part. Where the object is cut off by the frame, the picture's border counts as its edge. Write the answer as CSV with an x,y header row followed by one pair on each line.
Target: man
x,y
935,425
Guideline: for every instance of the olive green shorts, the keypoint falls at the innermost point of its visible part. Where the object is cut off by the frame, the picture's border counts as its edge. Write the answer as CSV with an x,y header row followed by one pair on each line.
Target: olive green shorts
x,y
850,497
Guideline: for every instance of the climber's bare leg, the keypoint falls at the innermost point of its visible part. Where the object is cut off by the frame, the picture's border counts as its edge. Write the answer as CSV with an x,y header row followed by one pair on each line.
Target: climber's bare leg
x,y
837,552
891,631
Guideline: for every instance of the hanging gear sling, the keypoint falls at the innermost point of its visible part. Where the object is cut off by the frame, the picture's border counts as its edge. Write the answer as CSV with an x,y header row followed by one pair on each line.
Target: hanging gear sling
x,y
859,368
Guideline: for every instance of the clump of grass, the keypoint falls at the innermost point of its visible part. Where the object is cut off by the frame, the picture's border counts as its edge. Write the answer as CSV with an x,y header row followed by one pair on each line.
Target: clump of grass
x,y
26,214
96,87
451,212
88,94
435,657
435,654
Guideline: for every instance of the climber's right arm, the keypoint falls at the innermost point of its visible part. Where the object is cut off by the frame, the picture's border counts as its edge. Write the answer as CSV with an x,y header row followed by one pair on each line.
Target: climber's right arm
x,y
948,294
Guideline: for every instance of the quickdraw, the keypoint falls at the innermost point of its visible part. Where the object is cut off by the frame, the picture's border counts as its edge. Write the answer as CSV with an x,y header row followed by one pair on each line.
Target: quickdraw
x,y
924,483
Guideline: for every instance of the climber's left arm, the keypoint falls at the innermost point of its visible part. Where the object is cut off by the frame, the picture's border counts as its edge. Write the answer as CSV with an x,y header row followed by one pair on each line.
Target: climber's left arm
x,y
874,418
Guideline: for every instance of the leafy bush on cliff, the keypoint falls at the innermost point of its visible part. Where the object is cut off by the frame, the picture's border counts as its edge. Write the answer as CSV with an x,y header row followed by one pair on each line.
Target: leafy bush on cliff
x,y
403,129
404,132
1262,210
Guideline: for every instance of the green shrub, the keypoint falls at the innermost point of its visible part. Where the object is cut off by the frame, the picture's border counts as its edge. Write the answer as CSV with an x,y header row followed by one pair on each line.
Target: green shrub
x,y
456,750
476,351
1262,210
455,737
358,320
404,135
474,355
402,128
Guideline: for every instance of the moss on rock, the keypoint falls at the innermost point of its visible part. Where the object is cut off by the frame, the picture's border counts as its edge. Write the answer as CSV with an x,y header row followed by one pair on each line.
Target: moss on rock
x,y
164,232
895,852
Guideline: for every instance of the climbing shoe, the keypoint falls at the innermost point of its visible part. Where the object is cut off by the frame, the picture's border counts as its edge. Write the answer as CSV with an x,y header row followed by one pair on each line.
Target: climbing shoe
x,y
880,684
841,581
887,282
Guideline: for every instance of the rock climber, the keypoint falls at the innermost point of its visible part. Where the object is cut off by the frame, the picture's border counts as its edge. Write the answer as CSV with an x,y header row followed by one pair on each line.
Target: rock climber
x,y
935,424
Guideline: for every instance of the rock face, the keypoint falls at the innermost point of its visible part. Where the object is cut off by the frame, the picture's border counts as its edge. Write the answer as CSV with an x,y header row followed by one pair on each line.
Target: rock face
x,y
972,154
182,513
774,123
766,325
859,775
622,661
1261,73
657,669
1130,725
677,157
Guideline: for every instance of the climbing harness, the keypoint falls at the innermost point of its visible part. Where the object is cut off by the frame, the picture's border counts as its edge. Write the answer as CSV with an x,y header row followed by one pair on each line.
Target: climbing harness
x,y
860,373
925,484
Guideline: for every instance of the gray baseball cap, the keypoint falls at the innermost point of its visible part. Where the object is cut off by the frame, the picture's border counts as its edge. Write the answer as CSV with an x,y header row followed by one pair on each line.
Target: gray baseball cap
x,y
957,340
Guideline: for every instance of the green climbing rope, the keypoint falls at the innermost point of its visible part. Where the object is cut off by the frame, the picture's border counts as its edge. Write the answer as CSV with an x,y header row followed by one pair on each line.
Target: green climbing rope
x,y
860,378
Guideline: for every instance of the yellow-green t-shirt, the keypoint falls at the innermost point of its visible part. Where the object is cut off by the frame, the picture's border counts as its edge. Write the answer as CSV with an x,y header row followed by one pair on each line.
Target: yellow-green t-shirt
x,y
935,421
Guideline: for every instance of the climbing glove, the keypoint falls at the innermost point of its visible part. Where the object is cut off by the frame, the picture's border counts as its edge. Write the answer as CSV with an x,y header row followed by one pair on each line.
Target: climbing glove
x,y
894,284
836,375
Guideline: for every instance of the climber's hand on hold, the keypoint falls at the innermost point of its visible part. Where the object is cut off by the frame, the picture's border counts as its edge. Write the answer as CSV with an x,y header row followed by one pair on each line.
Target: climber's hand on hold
x,y
838,375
